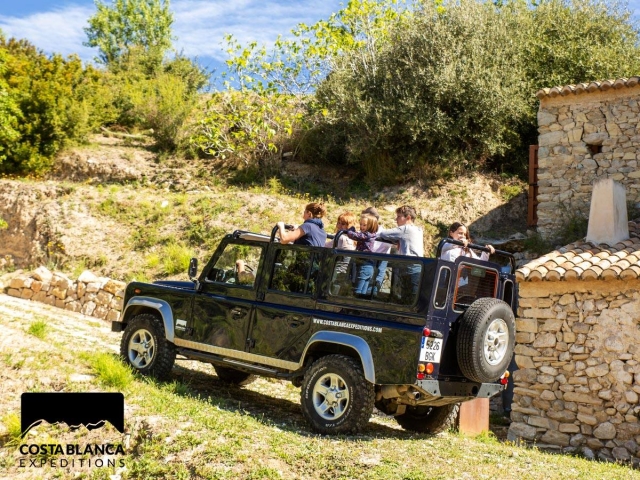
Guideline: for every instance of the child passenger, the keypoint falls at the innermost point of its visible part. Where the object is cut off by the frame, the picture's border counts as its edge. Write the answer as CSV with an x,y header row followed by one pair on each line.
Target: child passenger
x,y
459,231
365,239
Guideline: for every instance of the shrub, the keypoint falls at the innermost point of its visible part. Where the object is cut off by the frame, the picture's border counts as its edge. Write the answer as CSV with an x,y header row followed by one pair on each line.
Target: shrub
x,y
47,102
246,127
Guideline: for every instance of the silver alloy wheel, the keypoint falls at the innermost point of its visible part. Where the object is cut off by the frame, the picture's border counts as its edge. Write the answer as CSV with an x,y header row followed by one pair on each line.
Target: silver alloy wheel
x,y
496,341
330,396
142,348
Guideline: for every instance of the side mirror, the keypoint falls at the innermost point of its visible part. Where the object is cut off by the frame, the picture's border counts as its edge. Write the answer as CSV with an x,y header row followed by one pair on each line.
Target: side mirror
x,y
193,268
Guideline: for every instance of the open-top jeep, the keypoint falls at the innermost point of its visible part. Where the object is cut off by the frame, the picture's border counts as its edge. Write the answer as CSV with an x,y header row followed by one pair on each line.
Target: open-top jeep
x,y
428,335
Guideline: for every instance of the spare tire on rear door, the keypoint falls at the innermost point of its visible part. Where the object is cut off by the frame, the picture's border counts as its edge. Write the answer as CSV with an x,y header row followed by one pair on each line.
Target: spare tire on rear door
x,y
486,339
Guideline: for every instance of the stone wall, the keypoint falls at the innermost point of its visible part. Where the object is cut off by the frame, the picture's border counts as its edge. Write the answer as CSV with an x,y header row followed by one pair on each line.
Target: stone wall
x,y
568,126
99,297
578,349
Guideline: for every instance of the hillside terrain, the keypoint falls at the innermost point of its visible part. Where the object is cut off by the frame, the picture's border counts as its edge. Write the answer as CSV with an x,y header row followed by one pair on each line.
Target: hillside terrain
x,y
120,210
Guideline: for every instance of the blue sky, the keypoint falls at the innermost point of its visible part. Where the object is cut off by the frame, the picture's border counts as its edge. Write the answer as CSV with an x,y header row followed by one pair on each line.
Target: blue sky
x,y
200,25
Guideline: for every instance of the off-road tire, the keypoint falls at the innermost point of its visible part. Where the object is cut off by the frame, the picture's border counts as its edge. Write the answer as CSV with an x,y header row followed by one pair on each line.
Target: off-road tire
x,y
233,376
431,420
483,355
147,329
347,381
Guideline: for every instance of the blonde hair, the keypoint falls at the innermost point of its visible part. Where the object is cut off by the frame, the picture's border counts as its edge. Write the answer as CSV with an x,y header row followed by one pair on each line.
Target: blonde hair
x,y
348,218
317,210
371,221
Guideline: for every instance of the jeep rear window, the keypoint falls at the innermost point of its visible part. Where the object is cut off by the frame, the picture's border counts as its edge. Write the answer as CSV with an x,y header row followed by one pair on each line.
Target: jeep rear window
x,y
474,282
388,281
295,271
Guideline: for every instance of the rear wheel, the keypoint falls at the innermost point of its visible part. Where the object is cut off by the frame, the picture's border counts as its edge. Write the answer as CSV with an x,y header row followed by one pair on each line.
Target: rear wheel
x,y
486,339
233,376
336,398
145,348
432,420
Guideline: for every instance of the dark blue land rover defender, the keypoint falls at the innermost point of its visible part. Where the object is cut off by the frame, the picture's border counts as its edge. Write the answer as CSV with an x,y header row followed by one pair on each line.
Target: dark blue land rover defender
x,y
429,335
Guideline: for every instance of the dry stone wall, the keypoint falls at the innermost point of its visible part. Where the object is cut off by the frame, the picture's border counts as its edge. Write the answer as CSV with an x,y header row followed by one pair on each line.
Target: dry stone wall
x,y
99,297
578,387
583,138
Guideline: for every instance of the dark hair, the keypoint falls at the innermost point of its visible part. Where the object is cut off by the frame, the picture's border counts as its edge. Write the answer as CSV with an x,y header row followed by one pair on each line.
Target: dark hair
x,y
455,226
406,211
318,210
372,211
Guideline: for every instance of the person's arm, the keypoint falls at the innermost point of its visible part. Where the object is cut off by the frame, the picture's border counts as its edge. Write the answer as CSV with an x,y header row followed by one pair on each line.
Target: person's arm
x,y
289,236
362,236
450,252
485,255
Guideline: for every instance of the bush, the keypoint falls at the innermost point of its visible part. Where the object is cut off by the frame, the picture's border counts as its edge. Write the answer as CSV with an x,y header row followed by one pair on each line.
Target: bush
x,y
443,90
46,102
246,127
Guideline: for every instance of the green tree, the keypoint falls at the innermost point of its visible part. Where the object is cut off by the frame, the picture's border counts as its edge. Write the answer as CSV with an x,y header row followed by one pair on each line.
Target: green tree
x,y
124,25
9,112
50,101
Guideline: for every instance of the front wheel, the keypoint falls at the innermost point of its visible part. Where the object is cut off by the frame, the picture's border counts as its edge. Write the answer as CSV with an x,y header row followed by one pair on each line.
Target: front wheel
x,y
432,420
145,347
336,398
486,340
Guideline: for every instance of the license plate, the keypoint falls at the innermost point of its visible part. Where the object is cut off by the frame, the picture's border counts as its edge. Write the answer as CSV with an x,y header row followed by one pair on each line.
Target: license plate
x,y
430,350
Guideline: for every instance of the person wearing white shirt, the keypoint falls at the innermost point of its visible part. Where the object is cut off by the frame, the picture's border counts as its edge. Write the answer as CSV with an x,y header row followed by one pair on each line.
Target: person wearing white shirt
x,y
409,239
458,231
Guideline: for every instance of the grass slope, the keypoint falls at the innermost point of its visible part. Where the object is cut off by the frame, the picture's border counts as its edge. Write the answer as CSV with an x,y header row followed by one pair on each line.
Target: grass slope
x,y
197,427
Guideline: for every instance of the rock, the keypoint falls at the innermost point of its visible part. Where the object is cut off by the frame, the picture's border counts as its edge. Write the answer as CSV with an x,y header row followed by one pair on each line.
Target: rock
x,y
555,438
88,308
521,430
605,431
42,274
88,277
621,454
588,453
545,340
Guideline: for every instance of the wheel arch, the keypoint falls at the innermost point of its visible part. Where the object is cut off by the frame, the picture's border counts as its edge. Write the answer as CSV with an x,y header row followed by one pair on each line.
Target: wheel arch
x,y
327,342
153,306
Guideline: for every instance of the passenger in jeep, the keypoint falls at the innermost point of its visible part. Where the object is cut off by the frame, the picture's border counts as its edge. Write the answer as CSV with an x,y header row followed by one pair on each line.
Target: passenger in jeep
x,y
311,232
407,235
364,243
459,231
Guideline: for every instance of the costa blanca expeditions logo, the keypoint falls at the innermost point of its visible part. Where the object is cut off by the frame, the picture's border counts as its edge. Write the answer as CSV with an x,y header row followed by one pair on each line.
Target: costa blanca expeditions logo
x,y
90,410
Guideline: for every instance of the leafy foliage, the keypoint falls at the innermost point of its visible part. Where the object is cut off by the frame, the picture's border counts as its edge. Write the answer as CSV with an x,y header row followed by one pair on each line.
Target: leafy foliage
x,y
125,26
436,87
248,126
46,102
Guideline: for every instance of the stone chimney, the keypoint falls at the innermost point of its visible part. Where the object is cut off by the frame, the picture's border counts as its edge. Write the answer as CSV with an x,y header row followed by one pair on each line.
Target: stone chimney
x,y
608,222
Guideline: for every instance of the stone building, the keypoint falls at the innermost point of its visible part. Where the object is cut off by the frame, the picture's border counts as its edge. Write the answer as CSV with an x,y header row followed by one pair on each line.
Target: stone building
x,y
578,322
587,132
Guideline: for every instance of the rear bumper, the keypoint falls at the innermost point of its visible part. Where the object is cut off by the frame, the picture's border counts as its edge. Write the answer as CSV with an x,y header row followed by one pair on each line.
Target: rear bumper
x,y
117,326
459,389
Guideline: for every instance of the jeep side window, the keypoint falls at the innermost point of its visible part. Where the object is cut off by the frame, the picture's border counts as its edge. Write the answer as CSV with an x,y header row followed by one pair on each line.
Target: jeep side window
x,y
226,269
442,288
388,281
474,282
295,271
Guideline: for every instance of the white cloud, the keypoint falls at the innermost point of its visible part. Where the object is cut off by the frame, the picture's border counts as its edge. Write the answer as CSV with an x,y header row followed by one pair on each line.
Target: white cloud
x,y
200,25
59,30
